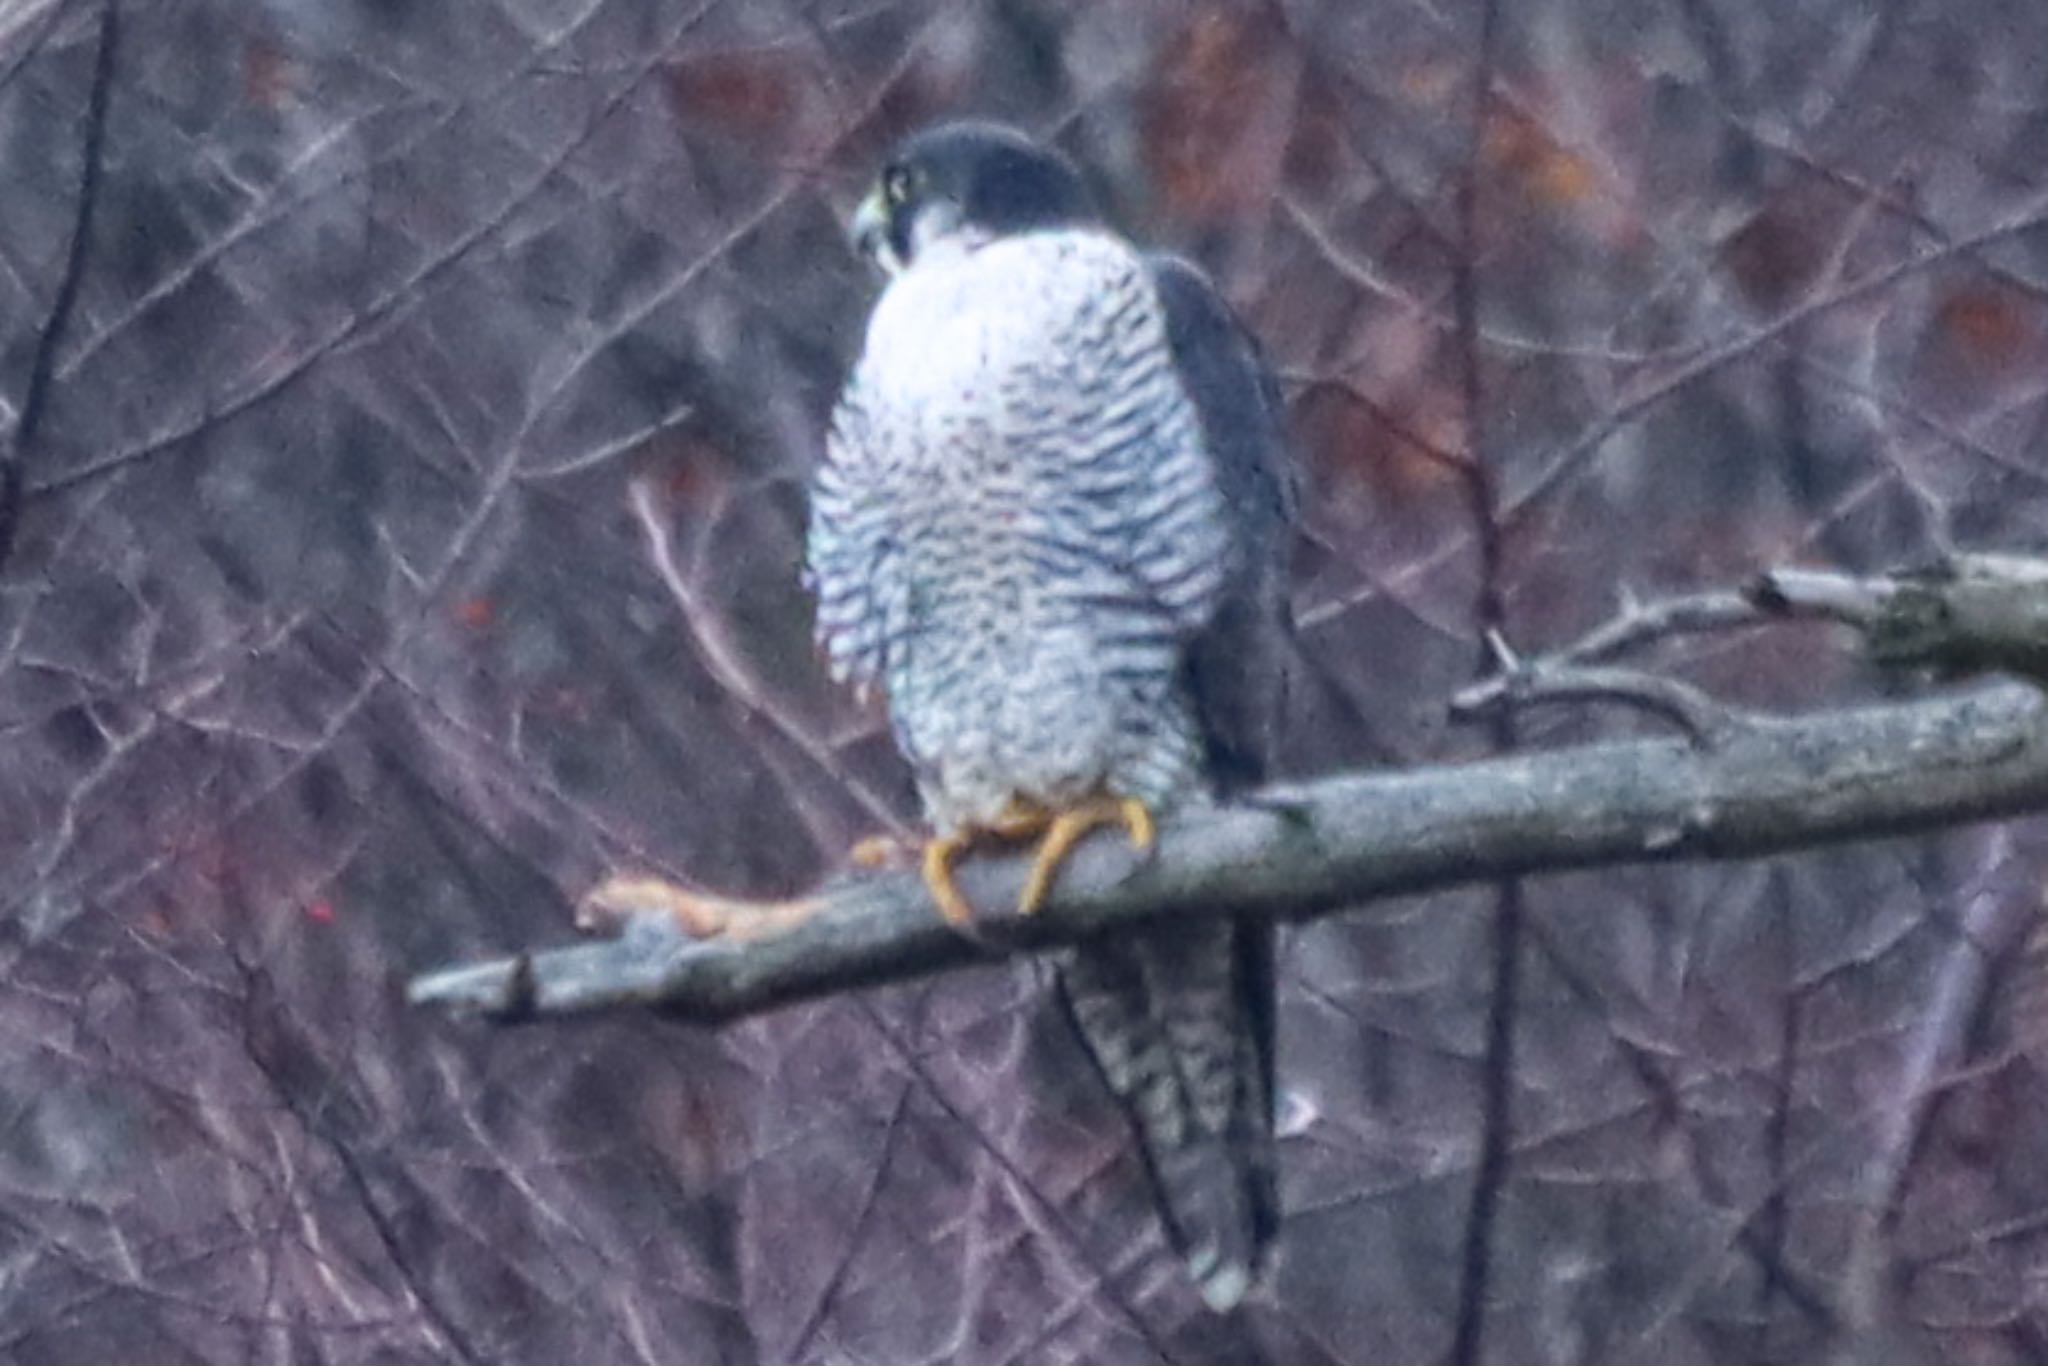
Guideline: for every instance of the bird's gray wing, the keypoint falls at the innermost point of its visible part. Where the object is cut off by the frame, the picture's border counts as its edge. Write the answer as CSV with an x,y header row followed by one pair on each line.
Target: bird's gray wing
x,y
1237,666
1180,1021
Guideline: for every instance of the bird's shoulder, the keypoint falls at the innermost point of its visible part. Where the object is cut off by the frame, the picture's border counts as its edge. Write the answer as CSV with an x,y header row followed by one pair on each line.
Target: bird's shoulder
x,y
1038,277
1004,305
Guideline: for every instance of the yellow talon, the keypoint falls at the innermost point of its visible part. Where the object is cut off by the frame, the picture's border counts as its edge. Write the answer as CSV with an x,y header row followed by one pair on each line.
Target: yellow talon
x,y
939,855
1138,824
1070,827
1020,820
1023,820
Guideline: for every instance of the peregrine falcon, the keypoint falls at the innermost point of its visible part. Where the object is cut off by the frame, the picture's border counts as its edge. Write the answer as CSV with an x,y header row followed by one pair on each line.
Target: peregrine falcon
x,y
1051,526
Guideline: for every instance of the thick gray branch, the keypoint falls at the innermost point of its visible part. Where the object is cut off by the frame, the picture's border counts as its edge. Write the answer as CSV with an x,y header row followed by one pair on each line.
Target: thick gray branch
x,y
1760,788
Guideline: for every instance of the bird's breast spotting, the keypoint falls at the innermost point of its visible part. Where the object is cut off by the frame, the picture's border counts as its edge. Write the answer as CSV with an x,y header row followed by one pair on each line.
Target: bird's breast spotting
x,y
1017,525
957,335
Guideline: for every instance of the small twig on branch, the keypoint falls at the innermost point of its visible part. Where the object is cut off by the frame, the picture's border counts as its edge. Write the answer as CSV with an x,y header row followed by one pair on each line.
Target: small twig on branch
x,y
1567,674
1967,614
1704,721
1643,623
1566,677
1313,849
1846,598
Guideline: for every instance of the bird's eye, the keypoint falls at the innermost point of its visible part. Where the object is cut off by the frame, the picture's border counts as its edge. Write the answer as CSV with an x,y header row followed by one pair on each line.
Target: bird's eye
x,y
897,183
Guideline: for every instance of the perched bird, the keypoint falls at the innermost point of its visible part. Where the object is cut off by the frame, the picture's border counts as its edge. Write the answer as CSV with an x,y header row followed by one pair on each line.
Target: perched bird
x,y
1051,525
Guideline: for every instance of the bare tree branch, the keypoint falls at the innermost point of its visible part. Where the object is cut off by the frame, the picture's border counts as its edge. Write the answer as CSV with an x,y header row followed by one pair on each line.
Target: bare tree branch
x,y
1966,614
1641,623
1692,711
1764,787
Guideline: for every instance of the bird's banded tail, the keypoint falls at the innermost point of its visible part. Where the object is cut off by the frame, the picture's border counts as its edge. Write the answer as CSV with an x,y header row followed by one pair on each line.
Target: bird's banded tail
x,y
1180,1023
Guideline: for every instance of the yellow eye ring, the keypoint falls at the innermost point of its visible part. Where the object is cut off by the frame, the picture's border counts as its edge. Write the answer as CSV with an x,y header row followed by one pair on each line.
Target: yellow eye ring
x,y
897,182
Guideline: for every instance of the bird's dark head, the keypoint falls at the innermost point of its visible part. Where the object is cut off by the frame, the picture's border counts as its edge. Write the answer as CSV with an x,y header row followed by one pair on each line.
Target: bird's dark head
x,y
963,184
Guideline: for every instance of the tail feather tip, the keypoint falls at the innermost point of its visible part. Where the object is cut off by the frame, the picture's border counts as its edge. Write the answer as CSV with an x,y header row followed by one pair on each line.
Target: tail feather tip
x,y
1223,1284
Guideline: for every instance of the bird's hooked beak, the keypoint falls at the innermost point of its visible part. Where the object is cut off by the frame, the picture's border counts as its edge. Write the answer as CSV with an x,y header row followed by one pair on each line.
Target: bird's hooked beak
x,y
869,233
